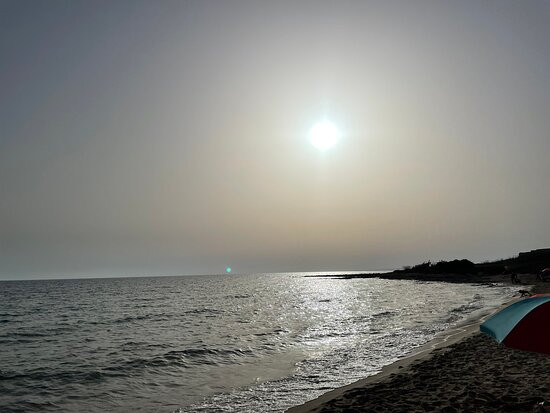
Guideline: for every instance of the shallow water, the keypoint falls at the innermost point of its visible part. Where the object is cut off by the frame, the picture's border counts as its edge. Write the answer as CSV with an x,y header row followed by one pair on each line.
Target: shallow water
x,y
211,343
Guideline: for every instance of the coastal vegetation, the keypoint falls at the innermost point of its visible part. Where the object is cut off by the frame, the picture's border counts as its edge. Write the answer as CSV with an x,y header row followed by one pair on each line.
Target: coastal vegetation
x,y
525,262
463,270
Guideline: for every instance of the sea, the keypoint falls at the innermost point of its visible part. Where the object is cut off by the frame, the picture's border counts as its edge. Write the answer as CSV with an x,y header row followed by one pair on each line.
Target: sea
x,y
225,343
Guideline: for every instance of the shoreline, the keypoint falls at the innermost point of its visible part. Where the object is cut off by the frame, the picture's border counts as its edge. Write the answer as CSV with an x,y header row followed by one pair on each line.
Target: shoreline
x,y
459,345
440,277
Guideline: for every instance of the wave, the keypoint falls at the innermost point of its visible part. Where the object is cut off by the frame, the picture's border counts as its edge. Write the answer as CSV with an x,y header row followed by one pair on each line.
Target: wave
x,y
185,358
175,358
64,376
458,313
277,331
10,315
383,314
134,318
15,334
208,311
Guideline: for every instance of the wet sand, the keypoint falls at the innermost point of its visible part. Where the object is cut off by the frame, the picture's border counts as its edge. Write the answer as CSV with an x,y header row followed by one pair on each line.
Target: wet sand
x,y
466,372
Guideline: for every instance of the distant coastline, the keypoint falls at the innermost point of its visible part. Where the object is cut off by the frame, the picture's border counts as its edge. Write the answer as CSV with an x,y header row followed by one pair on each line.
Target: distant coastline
x,y
465,271
447,374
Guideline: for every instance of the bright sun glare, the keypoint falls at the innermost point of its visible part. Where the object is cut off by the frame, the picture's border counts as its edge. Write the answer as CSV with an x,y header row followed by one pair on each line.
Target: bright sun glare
x,y
324,135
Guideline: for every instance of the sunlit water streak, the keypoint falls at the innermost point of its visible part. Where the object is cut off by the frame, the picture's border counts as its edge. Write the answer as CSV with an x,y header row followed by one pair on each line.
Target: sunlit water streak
x,y
211,343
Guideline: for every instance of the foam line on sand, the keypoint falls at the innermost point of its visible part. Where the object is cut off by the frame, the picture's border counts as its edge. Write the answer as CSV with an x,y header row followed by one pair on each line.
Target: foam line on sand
x,y
460,370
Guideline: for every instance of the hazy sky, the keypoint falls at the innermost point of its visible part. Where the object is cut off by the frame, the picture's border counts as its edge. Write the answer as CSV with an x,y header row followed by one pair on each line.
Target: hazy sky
x,y
171,137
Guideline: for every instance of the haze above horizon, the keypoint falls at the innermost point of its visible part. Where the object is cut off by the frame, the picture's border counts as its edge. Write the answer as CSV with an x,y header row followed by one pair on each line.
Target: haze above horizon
x,y
173,137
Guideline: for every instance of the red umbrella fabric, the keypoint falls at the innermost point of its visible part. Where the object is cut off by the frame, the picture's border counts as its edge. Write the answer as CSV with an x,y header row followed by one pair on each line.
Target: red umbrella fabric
x,y
524,325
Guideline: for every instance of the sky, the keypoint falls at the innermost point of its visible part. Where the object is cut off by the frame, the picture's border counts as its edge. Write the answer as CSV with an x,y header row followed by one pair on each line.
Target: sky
x,y
172,137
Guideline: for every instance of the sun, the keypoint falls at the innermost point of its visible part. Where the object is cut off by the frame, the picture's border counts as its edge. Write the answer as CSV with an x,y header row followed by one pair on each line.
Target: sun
x,y
324,135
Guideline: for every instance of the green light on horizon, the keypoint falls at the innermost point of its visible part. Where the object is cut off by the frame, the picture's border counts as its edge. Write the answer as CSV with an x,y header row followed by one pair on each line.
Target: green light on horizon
x,y
228,270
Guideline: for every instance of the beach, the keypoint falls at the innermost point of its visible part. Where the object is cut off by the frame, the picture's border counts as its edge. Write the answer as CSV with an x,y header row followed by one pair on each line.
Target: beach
x,y
468,371
239,343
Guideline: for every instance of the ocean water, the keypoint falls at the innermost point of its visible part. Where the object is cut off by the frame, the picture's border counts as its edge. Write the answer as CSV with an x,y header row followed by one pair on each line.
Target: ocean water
x,y
232,343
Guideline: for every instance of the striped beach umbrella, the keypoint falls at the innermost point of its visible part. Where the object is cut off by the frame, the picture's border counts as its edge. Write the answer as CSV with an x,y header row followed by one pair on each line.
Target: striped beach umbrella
x,y
524,325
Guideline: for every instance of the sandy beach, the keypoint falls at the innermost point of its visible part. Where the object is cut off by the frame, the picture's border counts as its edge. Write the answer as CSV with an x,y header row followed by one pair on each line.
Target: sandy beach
x,y
466,372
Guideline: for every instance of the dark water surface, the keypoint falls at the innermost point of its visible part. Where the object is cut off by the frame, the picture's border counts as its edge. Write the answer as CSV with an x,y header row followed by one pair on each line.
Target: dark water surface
x,y
210,343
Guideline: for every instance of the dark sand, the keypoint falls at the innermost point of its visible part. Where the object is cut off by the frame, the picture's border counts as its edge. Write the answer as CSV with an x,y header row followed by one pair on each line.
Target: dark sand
x,y
473,375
